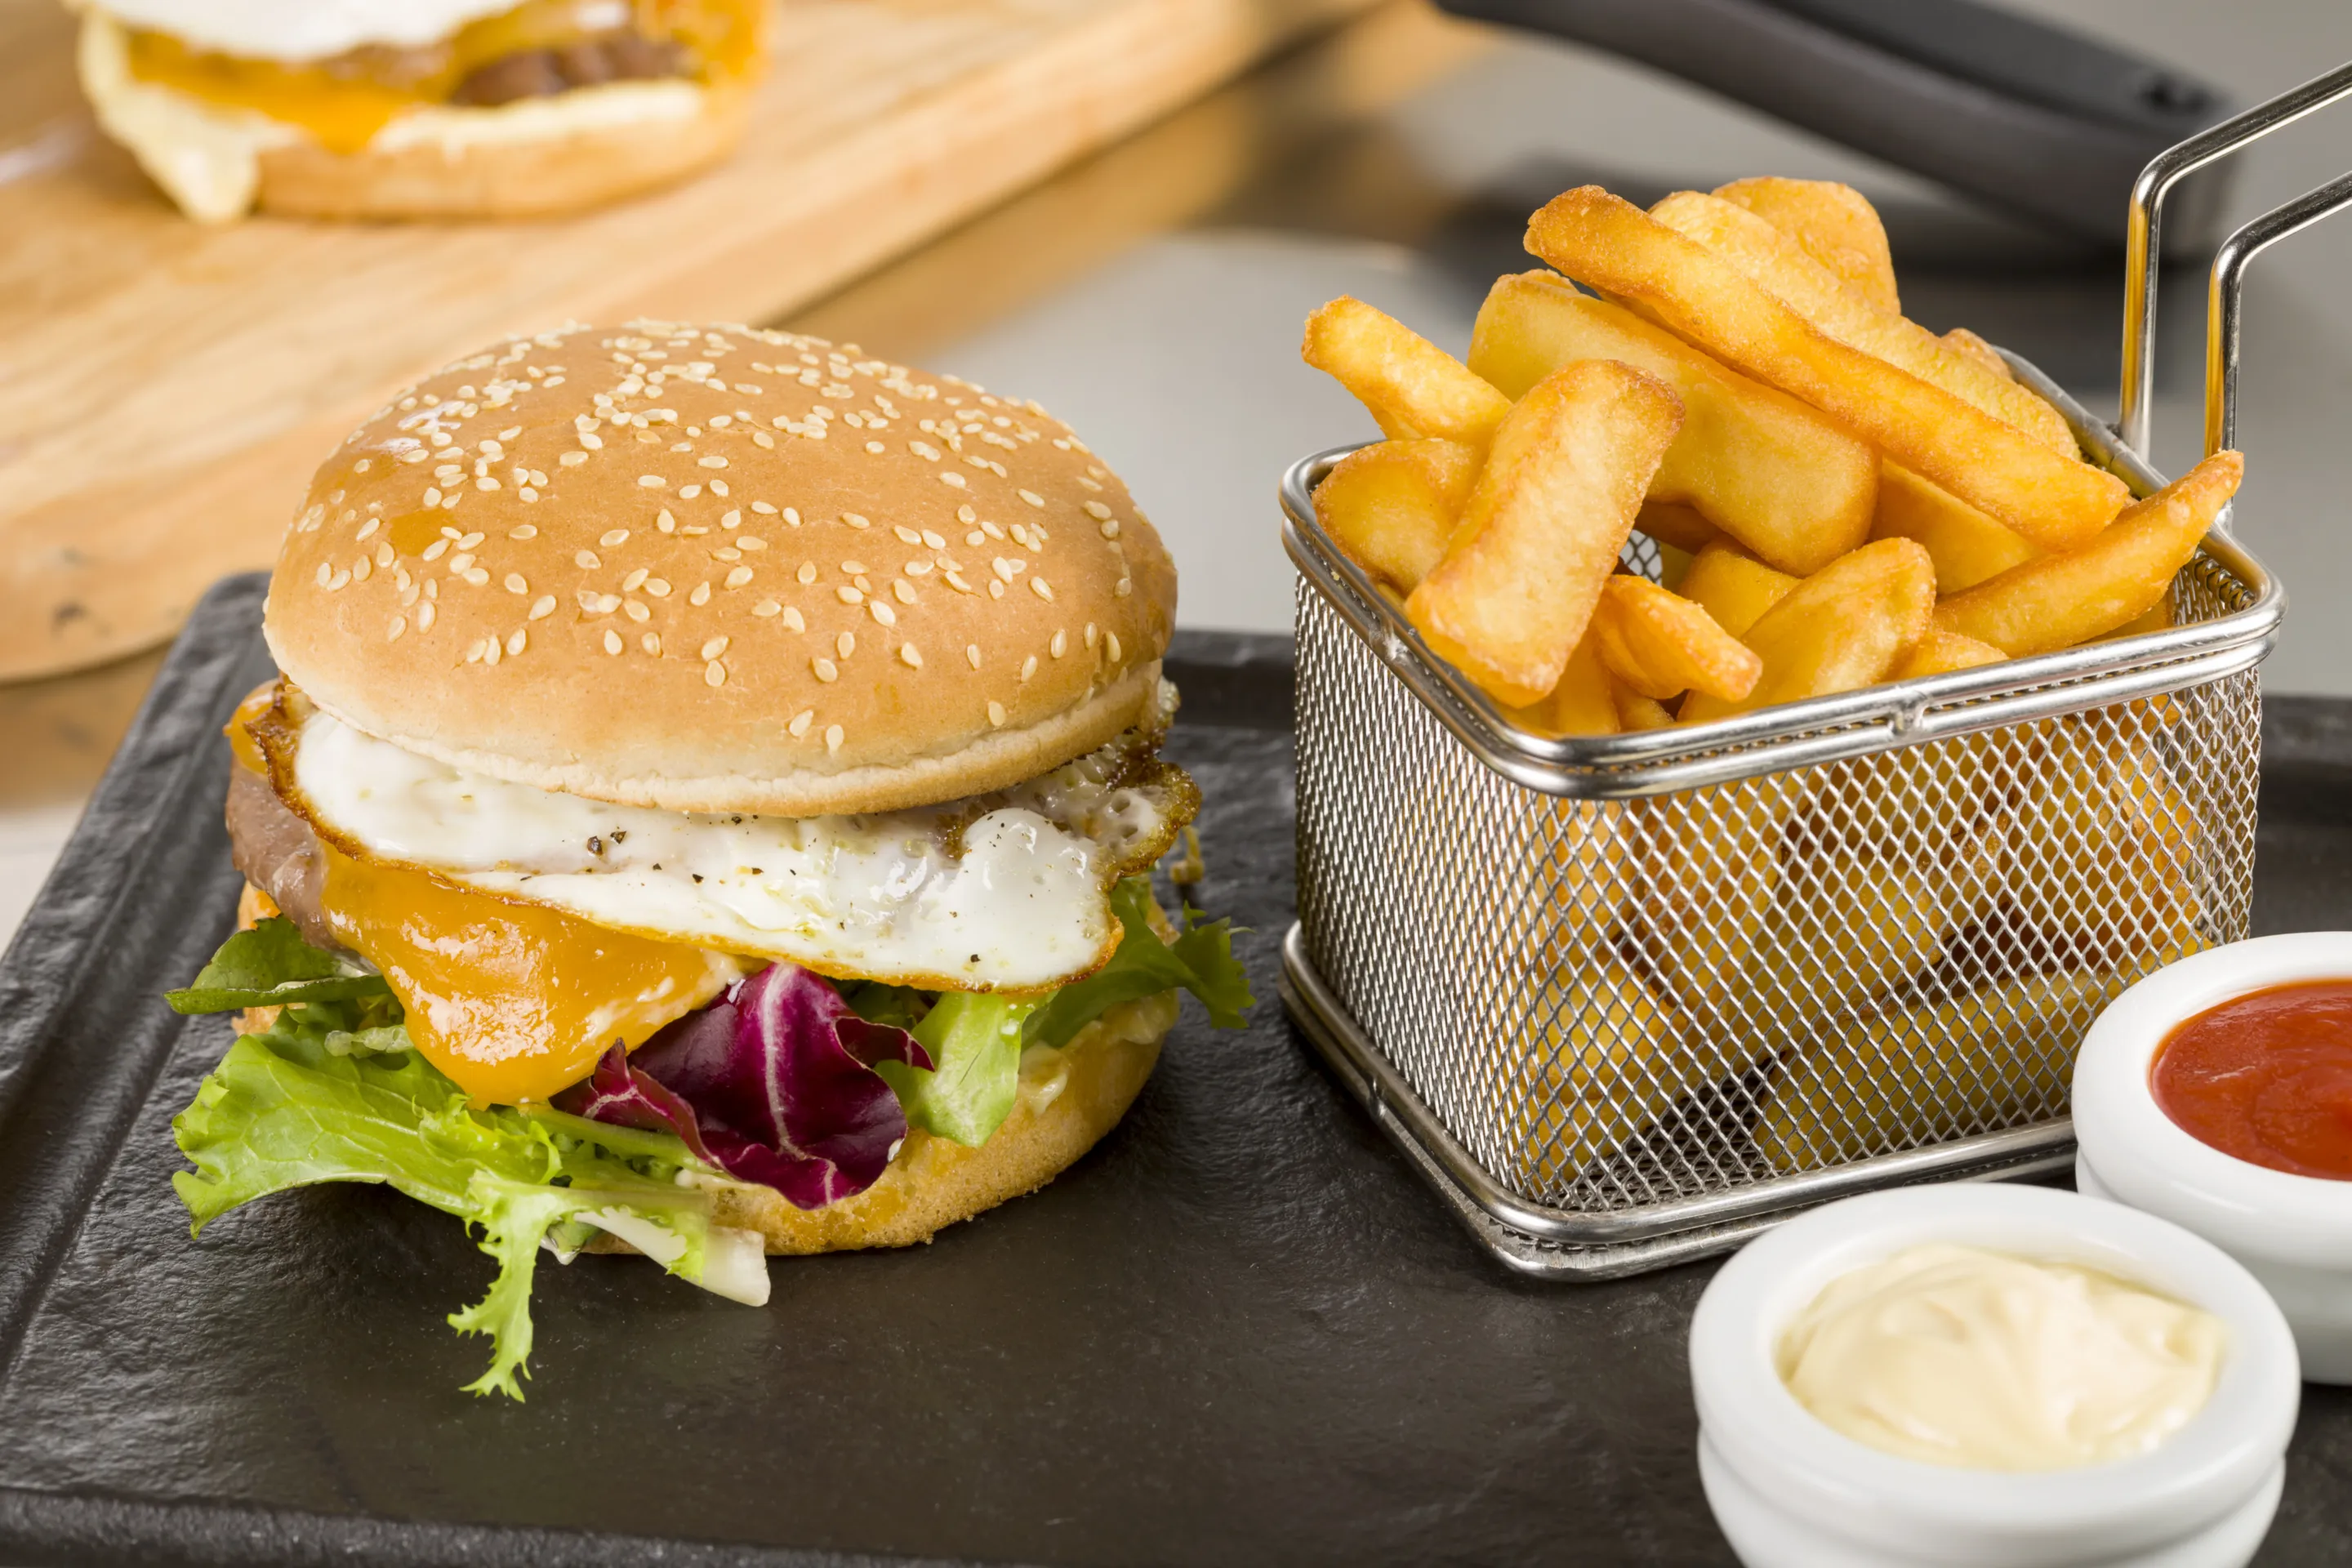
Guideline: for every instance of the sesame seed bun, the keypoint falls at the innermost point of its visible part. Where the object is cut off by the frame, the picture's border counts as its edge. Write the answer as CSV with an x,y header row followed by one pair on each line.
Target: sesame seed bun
x,y
574,150
722,569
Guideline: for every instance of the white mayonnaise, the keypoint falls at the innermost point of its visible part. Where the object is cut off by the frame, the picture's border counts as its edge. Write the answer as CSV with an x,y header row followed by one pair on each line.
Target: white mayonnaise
x,y
1978,1360
1024,904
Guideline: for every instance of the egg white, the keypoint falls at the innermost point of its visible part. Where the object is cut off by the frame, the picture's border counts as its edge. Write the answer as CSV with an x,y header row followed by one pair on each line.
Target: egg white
x,y
1017,900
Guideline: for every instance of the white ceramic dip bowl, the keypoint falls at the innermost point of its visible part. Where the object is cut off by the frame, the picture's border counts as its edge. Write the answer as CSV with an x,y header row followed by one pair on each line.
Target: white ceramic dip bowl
x,y
2294,1233
1790,1491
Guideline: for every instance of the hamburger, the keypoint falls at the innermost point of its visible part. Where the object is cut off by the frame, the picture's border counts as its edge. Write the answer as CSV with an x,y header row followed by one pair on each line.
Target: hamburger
x,y
706,809
373,109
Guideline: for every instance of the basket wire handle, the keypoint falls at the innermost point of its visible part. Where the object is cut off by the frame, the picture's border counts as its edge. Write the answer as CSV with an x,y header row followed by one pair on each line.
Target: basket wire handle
x,y
2224,296
2155,183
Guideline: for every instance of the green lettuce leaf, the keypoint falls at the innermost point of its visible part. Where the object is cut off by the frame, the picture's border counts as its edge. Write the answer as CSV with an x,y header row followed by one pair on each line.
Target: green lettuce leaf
x,y
1200,960
270,965
976,1037
285,1109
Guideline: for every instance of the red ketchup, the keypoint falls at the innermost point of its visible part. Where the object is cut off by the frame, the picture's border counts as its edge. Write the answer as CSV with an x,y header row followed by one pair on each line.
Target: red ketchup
x,y
2267,1077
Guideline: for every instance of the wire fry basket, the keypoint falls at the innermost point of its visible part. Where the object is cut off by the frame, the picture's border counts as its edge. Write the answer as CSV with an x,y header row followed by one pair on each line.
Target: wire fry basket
x,y
1625,1000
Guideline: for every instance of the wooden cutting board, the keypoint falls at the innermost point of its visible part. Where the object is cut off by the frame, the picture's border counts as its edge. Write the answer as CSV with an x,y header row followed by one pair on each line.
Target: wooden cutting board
x,y
165,389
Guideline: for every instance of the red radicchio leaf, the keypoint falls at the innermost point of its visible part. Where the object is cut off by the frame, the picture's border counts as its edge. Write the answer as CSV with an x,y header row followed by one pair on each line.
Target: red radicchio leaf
x,y
773,1083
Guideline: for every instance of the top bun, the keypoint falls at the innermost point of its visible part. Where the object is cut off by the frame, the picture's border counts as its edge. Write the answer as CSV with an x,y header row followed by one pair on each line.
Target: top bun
x,y
722,569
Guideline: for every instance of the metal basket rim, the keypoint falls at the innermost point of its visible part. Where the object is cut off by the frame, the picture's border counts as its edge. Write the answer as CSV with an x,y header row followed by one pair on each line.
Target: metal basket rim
x,y
1819,729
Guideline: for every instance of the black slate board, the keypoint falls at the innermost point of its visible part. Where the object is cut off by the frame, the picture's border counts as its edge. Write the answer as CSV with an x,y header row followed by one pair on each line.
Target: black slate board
x,y
1238,1332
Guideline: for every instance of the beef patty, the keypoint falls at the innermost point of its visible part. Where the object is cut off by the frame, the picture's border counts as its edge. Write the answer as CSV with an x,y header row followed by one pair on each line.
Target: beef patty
x,y
543,73
279,855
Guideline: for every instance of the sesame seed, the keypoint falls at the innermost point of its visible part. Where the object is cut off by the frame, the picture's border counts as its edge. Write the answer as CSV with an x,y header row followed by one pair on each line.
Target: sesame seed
x,y
732,520
460,564
1032,498
954,479
662,519
955,580
525,531
518,640
368,528
612,641
1042,588
764,609
614,536
1029,666
714,648
807,573
542,607
1096,509
996,715
658,586
906,535
714,674
653,481
1111,640
904,590
833,737
762,439
1111,529
515,583
475,578
1126,586
975,538
972,654
486,483
701,594
432,495
729,553
572,459
424,612
713,462
399,625
965,514
1060,644
594,443
934,540
764,509
637,611
909,657
750,541
854,520
739,576
825,668
800,724
845,644
688,492
586,561
634,580
883,613
792,517
876,448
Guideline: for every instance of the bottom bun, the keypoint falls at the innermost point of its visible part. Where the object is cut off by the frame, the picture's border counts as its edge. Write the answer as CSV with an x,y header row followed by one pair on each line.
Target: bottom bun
x,y
574,150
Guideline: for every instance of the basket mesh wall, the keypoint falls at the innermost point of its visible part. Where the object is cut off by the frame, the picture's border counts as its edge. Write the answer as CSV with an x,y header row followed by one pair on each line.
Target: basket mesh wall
x,y
1615,1004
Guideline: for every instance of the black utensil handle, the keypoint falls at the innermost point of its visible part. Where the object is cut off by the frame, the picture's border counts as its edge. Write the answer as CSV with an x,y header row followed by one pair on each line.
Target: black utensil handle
x,y
2044,123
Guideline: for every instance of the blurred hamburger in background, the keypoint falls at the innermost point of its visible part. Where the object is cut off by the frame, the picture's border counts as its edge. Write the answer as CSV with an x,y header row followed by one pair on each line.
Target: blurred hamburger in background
x,y
708,809
418,107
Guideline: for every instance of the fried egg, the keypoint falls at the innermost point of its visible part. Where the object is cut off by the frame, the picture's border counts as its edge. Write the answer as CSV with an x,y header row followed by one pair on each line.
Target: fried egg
x,y
1007,891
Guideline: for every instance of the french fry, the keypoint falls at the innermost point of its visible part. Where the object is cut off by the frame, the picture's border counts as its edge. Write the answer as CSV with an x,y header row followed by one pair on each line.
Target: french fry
x,y
1600,240
1412,386
2122,572
1733,586
1984,353
1794,486
1543,527
2159,618
1967,546
1941,652
1609,1058
1579,703
1635,711
1661,645
1779,265
2119,879
1675,524
1707,896
1893,1075
1837,226
1390,507
1673,563
1841,628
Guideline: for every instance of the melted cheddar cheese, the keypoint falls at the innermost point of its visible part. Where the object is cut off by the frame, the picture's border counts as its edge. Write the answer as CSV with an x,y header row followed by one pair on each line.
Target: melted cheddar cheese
x,y
514,1002
344,101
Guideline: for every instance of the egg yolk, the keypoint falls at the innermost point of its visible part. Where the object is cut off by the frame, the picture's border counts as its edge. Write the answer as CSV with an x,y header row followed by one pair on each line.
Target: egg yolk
x,y
514,1002
344,101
